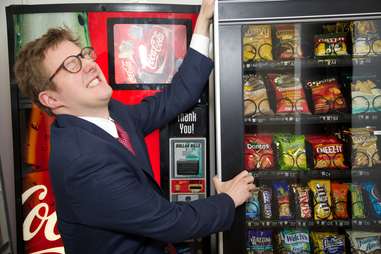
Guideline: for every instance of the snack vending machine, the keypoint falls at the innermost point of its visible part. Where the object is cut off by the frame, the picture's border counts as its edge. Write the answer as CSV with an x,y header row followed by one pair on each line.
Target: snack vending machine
x,y
298,104
139,48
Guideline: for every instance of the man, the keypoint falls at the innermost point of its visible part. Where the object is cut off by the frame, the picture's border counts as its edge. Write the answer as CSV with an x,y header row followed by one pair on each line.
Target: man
x,y
106,197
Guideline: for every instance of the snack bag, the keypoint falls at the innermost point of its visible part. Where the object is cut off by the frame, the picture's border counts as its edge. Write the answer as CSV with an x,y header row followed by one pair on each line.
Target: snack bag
x,y
334,44
337,27
327,152
364,147
322,199
289,93
259,242
256,101
340,200
366,97
289,39
294,241
365,38
364,242
328,243
257,43
282,194
358,206
252,207
266,202
259,153
374,197
292,152
302,201
326,96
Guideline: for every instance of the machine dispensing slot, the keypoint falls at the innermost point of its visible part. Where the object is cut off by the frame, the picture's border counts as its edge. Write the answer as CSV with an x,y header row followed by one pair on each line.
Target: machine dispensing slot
x,y
195,188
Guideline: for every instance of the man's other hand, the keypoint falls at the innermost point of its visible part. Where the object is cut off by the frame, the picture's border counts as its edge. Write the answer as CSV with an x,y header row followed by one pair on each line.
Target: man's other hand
x,y
239,188
207,9
204,17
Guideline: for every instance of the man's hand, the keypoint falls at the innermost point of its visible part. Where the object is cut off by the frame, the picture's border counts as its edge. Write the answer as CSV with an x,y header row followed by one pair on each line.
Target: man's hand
x,y
239,188
207,9
204,17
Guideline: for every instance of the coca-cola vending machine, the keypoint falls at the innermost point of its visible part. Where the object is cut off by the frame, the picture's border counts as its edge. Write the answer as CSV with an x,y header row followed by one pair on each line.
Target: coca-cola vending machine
x,y
139,49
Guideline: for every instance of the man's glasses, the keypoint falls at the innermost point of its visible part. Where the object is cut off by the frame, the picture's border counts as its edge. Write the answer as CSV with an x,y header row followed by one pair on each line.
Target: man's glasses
x,y
73,64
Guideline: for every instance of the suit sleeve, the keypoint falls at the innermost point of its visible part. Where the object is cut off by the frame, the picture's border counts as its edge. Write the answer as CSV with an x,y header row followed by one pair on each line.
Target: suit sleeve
x,y
109,196
184,91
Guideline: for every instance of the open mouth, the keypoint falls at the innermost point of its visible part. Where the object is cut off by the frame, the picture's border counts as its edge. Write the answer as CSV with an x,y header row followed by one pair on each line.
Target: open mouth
x,y
94,82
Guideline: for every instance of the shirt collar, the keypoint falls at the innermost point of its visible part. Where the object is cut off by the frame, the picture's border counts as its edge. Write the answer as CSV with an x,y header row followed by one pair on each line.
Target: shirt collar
x,y
108,125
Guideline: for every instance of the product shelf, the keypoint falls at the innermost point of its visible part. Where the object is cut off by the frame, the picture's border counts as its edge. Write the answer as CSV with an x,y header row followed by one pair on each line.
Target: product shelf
x,y
304,119
308,63
369,224
317,174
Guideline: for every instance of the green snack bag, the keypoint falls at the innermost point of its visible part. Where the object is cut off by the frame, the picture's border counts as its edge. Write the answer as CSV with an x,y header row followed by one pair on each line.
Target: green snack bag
x,y
358,210
294,241
291,151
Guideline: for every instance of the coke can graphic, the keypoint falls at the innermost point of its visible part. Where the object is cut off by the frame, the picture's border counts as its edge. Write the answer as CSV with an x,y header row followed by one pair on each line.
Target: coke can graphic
x,y
148,53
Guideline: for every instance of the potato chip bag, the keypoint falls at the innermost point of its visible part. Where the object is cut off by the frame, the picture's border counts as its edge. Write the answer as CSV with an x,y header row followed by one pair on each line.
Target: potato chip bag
x,y
257,43
289,93
340,200
365,38
321,190
291,151
259,153
364,147
328,243
326,96
289,38
256,101
332,45
294,241
327,152
366,97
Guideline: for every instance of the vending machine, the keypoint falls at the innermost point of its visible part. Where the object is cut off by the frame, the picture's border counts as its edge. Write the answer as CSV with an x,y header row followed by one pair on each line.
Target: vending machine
x,y
139,48
298,101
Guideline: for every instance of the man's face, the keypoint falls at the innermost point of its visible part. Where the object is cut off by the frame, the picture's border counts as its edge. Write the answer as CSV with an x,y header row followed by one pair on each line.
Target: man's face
x,y
85,93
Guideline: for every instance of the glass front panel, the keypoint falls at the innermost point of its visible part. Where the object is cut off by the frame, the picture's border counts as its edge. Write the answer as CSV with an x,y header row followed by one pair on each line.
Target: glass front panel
x,y
312,102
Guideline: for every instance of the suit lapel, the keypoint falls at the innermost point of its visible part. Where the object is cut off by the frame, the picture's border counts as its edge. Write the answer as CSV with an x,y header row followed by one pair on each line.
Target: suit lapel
x,y
135,161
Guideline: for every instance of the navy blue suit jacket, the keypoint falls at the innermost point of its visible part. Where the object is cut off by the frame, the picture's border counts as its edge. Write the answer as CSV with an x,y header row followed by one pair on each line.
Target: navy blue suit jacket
x,y
106,198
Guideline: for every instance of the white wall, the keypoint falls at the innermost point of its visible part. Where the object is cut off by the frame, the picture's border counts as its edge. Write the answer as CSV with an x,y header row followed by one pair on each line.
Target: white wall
x,y
6,147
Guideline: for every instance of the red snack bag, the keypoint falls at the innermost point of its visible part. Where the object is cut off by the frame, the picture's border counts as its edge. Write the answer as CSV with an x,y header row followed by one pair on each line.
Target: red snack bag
x,y
289,93
258,151
326,96
340,200
327,152
302,201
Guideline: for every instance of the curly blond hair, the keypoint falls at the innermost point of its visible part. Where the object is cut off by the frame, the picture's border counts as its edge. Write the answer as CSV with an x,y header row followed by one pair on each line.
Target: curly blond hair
x,y
31,76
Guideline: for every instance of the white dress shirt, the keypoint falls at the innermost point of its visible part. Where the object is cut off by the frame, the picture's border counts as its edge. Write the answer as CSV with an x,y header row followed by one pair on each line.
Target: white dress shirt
x,y
199,42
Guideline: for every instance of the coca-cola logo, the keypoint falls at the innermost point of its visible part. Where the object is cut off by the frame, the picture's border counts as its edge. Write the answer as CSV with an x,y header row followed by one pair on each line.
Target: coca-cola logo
x,y
157,43
38,219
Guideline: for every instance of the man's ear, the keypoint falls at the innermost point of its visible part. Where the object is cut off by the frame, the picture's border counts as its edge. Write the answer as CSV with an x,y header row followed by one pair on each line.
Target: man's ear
x,y
49,99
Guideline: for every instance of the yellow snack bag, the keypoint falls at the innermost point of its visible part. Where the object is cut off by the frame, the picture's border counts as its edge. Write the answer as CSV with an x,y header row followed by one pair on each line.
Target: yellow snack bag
x,y
257,43
322,199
